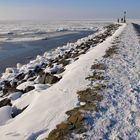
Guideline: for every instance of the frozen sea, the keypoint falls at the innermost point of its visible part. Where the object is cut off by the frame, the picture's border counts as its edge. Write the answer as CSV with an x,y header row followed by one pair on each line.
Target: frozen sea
x,y
22,41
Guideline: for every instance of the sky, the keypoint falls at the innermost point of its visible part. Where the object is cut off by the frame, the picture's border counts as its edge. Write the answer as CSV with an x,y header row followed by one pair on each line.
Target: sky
x,y
68,9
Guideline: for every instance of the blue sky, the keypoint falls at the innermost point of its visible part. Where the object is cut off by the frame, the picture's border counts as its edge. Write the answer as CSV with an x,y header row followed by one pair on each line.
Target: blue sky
x,y
68,9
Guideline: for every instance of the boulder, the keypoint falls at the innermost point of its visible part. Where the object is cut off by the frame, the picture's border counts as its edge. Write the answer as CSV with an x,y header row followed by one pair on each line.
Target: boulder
x,y
9,88
29,88
51,79
20,76
43,65
76,118
5,102
37,69
64,62
30,74
63,126
41,78
16,111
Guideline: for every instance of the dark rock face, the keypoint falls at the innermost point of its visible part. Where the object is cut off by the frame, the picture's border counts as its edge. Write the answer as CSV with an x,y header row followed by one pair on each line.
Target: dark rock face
x,y
32,78
110,52
16,112
43,65
41,78
50,79
37,69
47,78
0,88
98,67
58,71
6,84
64,62
29,88
20,76
74,124
61,70
9,88
5,102
31,74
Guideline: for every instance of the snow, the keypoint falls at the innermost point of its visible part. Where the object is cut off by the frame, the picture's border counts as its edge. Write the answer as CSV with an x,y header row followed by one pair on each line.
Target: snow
x,y
47,107
15,96
5,114
23,102
24,85
47,55
121,104
28,31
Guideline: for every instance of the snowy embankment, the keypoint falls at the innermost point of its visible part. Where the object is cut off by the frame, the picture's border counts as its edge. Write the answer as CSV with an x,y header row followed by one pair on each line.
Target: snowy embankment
x,y
38,104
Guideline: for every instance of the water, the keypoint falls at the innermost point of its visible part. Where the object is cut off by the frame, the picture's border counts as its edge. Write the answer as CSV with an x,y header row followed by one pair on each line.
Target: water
x,y
22,41
12,53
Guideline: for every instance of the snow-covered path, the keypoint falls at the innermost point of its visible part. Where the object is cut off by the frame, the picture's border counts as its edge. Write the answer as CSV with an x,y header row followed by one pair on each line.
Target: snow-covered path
x,y
119,116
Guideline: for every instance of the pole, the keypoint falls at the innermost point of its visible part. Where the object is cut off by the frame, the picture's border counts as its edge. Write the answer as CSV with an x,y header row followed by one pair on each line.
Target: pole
x,y
125,17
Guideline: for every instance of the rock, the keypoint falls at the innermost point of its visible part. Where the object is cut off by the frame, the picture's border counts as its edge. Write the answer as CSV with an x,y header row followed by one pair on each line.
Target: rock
x,y
58,71
50,79
6,84
67,55
89,107
46,38
16,111
37,69
50,65
20,82
44,65
20,76
30,74
70,112
60,57
0,88
57,135
29,88
96,76
82,47
98,87
110,52
63,125
8,88
80,130
19,65
76,118
9,70
41,78
7,91
56,60
15,96
76,59
32,78
47,78
89,96
74,55
64,62
14,84
61,70
98,66
5,102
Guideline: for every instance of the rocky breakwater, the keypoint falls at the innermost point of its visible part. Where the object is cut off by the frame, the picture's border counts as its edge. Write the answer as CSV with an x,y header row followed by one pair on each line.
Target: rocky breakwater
x,y
49,72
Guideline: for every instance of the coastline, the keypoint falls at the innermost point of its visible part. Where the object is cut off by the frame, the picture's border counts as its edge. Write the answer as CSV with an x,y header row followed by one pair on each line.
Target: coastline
x,y
22,52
